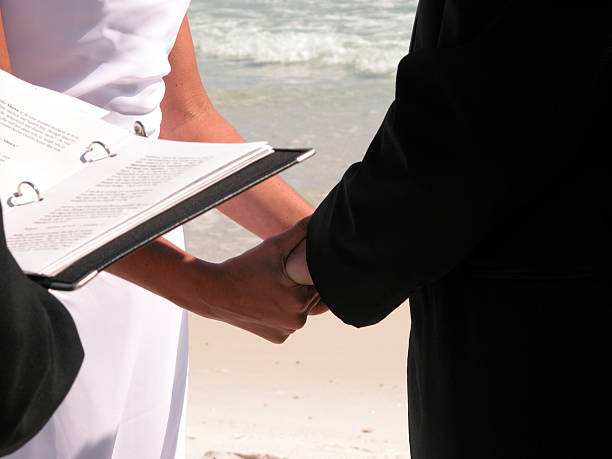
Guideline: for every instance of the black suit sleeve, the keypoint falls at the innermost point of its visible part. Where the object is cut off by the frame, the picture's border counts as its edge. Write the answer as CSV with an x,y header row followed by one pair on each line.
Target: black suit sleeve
x,y
40,354
476,130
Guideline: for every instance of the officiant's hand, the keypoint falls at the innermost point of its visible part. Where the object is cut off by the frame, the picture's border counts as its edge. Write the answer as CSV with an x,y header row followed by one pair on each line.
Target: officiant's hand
x,y
254,292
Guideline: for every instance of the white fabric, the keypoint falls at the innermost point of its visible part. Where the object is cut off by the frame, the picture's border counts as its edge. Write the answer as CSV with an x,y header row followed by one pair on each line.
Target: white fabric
x,y
128,399
111,53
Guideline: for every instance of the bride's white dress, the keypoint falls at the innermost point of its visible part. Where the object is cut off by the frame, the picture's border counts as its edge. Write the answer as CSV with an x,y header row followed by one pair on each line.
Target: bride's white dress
x,y
128,399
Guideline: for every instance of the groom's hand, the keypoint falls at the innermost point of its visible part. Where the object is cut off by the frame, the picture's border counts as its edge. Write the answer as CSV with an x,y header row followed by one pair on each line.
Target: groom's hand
x,y
253,291
297,270
297,267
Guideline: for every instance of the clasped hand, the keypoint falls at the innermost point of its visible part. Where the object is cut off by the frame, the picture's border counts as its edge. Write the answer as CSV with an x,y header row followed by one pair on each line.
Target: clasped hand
x,y
255,292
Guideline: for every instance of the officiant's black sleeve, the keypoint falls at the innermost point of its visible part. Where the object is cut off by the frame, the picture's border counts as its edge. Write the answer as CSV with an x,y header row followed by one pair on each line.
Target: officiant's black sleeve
x,y
40,354
495,103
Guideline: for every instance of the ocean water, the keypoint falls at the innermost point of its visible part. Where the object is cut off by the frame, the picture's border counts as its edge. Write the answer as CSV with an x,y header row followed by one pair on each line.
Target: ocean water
x,y
298,73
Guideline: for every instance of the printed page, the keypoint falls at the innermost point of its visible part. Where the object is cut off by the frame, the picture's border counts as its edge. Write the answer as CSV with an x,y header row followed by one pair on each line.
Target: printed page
x,y
116,194
43,135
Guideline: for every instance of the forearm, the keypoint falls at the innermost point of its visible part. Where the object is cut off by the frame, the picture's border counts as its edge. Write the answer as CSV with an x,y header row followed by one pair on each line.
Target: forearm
x,y
266,209
166,270
189,115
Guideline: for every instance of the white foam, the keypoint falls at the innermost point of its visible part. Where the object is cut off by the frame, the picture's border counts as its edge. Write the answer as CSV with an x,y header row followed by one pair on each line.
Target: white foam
x,y
265,47
366,40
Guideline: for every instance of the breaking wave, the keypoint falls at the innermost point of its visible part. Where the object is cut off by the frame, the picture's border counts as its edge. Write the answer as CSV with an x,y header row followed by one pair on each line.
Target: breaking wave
x,y
364,40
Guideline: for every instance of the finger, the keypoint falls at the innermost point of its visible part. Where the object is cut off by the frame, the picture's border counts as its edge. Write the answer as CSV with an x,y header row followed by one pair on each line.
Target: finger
x,y
316,305
312,302
320,308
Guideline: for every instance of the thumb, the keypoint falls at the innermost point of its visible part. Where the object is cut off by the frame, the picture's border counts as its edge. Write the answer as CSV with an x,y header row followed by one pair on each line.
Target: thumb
x,y
296,265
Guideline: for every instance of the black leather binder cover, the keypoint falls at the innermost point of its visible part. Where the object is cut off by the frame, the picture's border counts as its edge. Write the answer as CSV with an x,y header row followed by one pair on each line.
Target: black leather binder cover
x,y
87,267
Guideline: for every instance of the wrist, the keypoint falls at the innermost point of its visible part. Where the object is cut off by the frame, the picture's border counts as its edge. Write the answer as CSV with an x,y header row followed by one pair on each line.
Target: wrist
x,y
195,287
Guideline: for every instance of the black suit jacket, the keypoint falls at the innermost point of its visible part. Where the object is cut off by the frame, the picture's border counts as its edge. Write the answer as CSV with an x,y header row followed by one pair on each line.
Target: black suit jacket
x,y
484,199
40,353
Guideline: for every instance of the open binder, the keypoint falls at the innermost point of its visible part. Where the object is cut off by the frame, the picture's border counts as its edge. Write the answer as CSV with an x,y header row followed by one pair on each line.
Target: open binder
x,y
79,193
85,269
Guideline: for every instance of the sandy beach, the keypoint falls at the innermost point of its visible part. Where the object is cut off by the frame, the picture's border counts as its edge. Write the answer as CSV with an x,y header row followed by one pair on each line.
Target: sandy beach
x,y
331,391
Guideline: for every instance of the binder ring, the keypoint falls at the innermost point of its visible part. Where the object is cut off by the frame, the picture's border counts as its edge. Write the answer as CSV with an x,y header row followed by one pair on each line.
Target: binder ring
x,y
139,129
17,194
90,148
